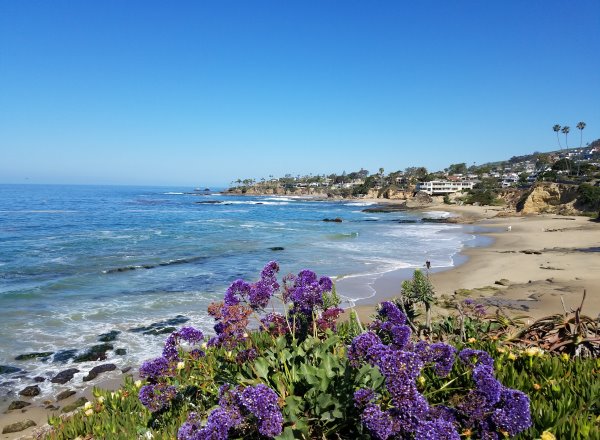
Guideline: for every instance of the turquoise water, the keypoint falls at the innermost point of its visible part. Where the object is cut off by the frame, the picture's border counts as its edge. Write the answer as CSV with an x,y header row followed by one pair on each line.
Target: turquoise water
x,y
78,261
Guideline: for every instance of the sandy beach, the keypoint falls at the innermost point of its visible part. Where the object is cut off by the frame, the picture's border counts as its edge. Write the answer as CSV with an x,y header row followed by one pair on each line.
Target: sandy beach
x,y
539,258
543,257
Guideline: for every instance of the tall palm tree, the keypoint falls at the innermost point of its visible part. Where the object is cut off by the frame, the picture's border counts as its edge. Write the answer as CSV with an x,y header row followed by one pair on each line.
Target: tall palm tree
x,y
580,126
556,129
566,130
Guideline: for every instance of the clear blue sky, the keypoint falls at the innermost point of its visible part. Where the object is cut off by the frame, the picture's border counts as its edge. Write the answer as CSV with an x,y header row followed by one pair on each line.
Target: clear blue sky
x,y
201,93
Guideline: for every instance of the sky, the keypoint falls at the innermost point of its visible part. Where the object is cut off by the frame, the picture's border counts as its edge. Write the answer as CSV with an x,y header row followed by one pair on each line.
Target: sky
x,y
199,93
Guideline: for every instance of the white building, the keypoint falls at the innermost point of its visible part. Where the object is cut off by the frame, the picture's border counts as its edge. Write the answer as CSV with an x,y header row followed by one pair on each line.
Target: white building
x,y
436,187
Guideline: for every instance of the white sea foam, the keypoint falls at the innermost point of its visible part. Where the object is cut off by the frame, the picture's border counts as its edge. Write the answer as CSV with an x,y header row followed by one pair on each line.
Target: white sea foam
x,y
253,202
173,193
359,204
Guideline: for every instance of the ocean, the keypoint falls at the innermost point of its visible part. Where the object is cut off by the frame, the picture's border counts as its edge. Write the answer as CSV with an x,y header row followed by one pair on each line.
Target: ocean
x,y
80,261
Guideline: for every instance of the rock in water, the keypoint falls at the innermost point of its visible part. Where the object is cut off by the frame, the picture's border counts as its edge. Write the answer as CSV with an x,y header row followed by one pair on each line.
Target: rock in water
x,y
18,427
64,355
7,369
30,391
276,248
41,355
94,372
64,376
109,337
94,353
120,352
18,404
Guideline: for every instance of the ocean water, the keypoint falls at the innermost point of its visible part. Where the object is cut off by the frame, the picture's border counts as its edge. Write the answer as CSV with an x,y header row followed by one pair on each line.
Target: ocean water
x,y
79,261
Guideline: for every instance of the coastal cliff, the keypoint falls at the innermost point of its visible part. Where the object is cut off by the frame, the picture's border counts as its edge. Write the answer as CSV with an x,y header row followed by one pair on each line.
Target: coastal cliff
x,y
548,197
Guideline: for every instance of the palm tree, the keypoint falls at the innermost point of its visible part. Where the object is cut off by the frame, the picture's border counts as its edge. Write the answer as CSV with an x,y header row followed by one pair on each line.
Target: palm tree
x,y
566,130
580,126
556,129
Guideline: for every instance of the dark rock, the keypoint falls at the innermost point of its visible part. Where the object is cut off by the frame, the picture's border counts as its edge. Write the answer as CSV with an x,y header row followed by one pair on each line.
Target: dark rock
x,y
42,355
17,404
160,326
7,369
39,379
529,252
503,282
334,220
276,248
94,353
405,221
18,427
64,376
440,220
208,202
160,331
73,406
94,372
120,352
386,208
64,395
30,391
126,370
109,337
63,356
52,407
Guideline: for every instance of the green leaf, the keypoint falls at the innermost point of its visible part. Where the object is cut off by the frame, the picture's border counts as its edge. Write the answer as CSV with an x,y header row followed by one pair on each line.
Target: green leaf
x,y
262,367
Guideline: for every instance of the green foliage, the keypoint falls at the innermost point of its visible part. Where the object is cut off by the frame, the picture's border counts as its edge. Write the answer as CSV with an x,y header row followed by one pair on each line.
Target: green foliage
x,y
589,195
563,165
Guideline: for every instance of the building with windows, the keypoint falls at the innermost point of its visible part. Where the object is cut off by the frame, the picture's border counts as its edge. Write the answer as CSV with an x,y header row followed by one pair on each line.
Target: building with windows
x,y
440,187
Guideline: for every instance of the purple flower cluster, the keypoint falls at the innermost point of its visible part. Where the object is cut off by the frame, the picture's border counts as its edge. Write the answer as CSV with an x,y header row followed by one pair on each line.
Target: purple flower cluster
x,y
157,396
307,291
235,405
257,295
402,411
275,323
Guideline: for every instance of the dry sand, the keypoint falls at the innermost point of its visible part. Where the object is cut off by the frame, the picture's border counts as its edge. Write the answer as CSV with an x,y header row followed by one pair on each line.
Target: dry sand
x,y
544,258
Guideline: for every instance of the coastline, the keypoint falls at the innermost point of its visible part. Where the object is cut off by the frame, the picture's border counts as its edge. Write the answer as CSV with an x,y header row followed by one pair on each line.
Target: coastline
x,y
543,258
558,265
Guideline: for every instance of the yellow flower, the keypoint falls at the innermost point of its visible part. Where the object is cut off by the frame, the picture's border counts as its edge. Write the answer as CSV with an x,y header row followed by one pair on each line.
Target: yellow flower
x,y
512,356
471,340
421,380
101,399
565,356
547,435
534,351
537,386
180,365
245,335
204,345
138,383
88,405
89,412
501,349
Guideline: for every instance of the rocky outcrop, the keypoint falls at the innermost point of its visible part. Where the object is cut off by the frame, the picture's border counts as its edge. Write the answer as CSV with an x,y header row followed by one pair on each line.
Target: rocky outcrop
x,y
548,197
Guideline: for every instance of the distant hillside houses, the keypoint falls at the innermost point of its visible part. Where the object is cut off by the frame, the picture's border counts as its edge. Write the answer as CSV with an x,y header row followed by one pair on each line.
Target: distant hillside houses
x,y
441,187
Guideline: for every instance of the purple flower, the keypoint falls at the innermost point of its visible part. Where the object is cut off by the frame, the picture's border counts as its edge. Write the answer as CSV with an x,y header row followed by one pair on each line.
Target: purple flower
x,y
393,314
363,396
275,324
400,335
261,401
438,429
190,335
378,422
170,351
513,414
325,284
473,358
246,356
441,354
237,289
328,318
155,368
487,384
157,397
357,352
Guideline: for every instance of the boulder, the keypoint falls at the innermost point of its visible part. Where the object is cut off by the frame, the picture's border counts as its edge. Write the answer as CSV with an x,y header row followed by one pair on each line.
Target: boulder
x,y
64,376
64,395
7,369
73,406
18,427
276,248
63,356
120,352
109,337
94,372
18,404
334,220
30,391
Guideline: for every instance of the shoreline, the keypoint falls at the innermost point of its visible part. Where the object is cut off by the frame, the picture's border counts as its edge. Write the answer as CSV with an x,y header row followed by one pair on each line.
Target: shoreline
x,y
541,259
558,265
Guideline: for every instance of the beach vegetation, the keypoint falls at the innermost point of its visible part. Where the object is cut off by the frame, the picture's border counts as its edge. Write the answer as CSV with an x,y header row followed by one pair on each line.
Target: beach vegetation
x,y
281,365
